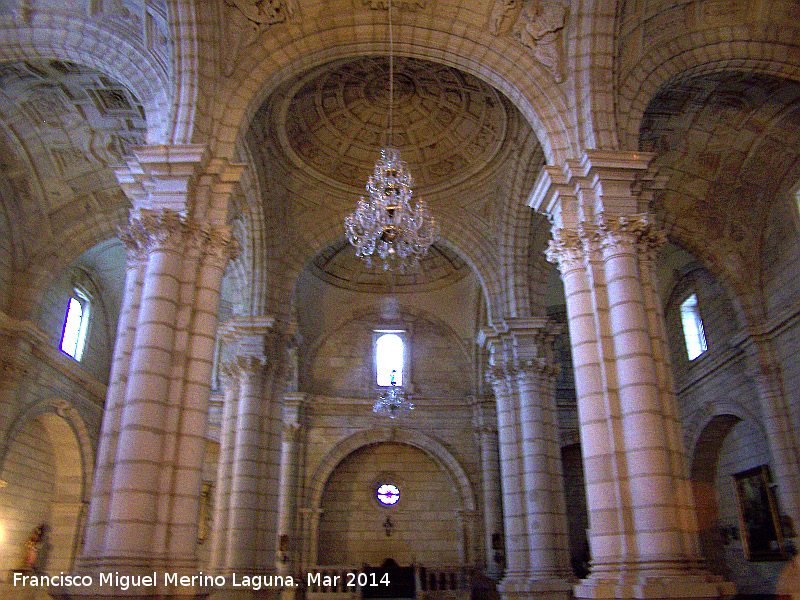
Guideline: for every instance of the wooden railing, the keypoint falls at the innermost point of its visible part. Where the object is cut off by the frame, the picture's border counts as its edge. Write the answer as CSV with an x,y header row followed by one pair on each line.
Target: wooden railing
x,y
336,582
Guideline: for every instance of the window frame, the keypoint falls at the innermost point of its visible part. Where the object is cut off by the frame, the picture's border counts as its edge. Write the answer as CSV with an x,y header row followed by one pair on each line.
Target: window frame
x,y
698,334
403,334
84,299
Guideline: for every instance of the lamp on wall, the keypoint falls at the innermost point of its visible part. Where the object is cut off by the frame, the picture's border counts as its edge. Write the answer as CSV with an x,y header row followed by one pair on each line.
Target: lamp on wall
x,y
386,229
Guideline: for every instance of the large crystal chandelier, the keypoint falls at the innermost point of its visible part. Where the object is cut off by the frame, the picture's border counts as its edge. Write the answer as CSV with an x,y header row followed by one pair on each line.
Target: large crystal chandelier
x,y
393,403
386,229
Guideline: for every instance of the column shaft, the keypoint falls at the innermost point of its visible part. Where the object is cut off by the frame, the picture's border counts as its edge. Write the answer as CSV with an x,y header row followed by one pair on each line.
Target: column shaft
x,y
219,534
107,448
516,536
653,499
243,510
139,456
545,510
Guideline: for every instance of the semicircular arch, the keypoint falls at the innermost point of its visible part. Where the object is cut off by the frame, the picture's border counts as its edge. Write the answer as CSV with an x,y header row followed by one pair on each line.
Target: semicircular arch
x,y
427,444
98,49
506,66
699,53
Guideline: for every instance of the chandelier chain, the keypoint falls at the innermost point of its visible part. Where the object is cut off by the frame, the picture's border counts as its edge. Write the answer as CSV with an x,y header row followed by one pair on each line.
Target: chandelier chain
x,y
386,228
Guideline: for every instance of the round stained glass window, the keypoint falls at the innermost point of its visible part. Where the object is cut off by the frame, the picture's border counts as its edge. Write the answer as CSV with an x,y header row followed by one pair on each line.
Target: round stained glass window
x,y
388,494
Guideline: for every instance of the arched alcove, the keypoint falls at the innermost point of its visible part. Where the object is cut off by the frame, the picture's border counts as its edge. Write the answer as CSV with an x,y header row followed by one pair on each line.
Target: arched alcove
x,y
43,468
421,527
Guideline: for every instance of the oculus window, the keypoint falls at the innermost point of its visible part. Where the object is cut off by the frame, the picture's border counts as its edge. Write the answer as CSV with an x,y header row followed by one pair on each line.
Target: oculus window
x,y
693,331
390,353
76,324
388,494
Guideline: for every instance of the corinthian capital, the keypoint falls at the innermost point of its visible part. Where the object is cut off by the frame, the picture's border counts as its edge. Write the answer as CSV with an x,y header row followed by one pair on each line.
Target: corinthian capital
x,y
154,229
566,250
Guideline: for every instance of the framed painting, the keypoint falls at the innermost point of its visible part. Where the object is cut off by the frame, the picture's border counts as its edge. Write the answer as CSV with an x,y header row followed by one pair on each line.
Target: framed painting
x,y
759,521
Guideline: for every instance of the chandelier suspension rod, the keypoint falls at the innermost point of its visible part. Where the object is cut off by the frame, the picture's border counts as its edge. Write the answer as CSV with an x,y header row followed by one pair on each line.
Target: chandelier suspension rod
x,y
391,78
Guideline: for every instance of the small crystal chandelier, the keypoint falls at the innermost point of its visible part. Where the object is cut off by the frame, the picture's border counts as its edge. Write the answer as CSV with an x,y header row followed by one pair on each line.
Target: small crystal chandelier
x,y
386,229
393,403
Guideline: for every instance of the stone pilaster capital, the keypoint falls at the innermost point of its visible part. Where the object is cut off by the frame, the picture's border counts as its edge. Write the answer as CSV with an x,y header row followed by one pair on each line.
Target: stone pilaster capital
x,y
156,229
499,376
249,336
219,243
536,368
249,365
230,374
295,412
484,414
566,250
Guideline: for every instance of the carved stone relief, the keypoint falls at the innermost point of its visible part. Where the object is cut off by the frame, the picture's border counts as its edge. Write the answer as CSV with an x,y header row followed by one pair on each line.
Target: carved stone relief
x,y
246,21
537,25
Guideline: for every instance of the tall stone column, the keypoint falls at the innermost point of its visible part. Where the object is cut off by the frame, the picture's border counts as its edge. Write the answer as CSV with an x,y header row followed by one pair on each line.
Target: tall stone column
x,y
244,500
643,535
245,527
516,542
139,459
484,419
104,464
219,533
145,508
522,356
294,418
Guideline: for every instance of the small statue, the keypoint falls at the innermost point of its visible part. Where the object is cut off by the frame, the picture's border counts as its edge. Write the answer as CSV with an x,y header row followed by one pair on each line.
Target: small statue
x,y
37,549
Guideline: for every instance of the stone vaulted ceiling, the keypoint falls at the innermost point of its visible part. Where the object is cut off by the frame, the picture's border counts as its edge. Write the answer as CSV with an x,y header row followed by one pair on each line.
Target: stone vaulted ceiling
x,y
63,127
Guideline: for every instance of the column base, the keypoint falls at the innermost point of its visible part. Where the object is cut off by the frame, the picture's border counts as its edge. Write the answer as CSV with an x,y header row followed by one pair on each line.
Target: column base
x,y
517,587
628,587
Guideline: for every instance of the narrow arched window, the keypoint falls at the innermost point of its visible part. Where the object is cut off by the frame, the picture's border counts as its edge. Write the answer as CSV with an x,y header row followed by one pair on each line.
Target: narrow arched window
x,y
389,359
76,324
693,331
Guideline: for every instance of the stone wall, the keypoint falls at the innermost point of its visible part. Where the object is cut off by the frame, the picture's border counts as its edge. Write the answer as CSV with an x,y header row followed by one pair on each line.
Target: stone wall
x,y
424,526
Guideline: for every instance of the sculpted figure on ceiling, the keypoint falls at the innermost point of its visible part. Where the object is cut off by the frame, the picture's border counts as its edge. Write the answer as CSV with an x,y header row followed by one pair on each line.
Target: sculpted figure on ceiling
x,y
538,25
247,20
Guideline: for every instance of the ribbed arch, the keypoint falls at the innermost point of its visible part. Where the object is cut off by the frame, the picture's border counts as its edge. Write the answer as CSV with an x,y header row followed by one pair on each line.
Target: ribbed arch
x,y
700,53
57,37
502,63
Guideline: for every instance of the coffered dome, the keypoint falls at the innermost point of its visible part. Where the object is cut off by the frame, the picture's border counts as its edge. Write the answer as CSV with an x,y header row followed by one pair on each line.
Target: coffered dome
x,y
448,125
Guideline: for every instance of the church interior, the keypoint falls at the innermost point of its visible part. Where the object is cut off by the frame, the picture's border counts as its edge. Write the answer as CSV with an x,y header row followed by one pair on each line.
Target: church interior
x,y
581,381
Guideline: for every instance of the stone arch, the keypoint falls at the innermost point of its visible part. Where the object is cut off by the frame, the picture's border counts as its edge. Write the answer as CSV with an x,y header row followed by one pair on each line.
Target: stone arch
x,y
312,352
65,38
703,475
429,445
445,39
327,230
72,473
698,53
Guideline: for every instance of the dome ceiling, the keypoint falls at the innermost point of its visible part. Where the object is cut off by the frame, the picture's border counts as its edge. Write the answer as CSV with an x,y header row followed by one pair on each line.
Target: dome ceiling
x,y
448,125
339,266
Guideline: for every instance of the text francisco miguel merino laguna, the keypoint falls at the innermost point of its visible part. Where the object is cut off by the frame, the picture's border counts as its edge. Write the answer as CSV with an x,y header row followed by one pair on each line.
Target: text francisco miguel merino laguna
x,y
121,581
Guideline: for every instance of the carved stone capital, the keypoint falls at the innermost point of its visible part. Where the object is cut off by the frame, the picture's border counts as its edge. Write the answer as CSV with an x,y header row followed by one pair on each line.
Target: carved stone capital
x,y
157,230
219,244
295,412
631,234
535,368
249,366
230,374
484,414
566,250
